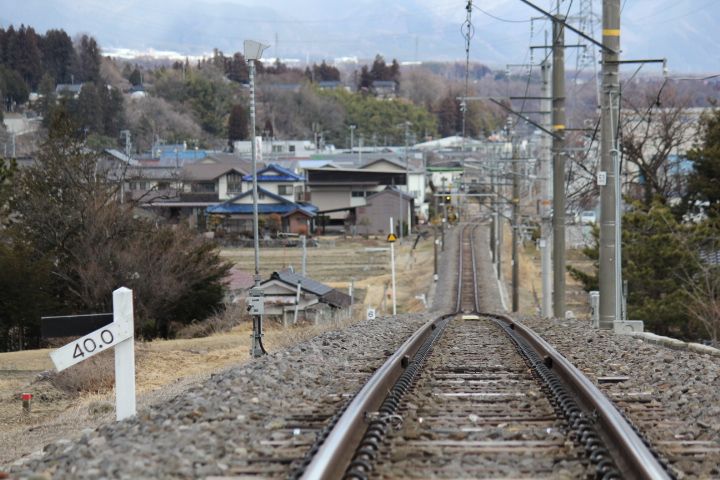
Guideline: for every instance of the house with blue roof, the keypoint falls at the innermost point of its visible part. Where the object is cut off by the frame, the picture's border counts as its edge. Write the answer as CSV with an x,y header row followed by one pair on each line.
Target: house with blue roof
x,y
279,181
236,214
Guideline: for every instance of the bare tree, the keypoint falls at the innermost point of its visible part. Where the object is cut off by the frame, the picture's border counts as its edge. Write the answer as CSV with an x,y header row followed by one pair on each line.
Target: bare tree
x,y
657,129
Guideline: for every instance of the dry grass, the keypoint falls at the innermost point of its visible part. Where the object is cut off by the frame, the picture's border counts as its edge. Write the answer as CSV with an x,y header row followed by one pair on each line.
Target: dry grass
x,y
530,290
224,321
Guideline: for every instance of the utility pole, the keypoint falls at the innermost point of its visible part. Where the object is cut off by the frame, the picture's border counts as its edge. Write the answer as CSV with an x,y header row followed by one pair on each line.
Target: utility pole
x,y
392,269
303,239
558,145
545,198
609,219
352,137
126,134
515,225
435,255
407,185
493,208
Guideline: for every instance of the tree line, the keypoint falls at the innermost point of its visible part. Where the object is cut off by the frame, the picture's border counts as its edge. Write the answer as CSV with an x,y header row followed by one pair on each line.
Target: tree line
x,y
26,57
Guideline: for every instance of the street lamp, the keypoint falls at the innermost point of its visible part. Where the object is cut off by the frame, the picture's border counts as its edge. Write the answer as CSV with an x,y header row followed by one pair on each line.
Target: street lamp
x,y
253,52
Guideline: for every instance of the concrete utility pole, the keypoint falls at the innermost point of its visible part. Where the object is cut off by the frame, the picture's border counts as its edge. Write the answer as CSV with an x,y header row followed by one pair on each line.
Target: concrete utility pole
x,y
558,145
515,226
407,185
545,198
609,222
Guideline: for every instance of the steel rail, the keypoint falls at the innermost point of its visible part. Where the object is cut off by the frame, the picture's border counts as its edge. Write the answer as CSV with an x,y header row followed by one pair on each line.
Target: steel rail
x,y
335,454
458,299
630,452
476,300
333,457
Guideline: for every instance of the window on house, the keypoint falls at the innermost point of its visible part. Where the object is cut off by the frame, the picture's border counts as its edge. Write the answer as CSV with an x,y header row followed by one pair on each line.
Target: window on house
x,y
285,189
203,187
292,148
261,195
277,148
234,183
163,185
358,194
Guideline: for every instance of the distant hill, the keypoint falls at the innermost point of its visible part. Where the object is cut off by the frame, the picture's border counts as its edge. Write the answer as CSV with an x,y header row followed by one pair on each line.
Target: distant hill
x,y
405,29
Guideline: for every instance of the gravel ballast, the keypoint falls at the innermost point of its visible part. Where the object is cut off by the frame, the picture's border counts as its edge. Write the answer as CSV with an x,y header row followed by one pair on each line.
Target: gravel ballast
x,y
214,428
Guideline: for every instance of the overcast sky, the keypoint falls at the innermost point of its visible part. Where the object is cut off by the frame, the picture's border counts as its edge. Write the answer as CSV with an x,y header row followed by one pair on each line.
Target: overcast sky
x,y
684,31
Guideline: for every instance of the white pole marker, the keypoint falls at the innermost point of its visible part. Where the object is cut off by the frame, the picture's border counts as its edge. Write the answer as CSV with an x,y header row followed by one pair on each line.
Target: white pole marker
x,y
118,334
124,354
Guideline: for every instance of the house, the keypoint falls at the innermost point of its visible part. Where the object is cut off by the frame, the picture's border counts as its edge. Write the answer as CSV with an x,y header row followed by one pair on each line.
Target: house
x,y
374,217
68,89
338,192
384,88
330,85
236,214
201,185
315,302
278,180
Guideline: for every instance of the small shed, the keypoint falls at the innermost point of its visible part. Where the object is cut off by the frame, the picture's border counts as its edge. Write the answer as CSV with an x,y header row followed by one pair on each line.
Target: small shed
x,y
315,301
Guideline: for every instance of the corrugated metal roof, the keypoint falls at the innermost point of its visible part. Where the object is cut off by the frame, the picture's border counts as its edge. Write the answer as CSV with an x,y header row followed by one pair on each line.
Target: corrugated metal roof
x,y
292,279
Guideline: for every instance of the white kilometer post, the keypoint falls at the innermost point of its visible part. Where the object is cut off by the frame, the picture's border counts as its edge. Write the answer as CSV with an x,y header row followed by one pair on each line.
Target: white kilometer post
x,y
118,334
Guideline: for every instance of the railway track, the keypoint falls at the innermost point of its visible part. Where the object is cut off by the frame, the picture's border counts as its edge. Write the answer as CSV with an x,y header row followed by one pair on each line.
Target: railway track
x,y
473,395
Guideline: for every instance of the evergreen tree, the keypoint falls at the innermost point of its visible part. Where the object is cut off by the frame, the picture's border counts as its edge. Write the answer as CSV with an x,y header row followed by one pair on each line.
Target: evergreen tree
x,y
448,115
657,261
58,55
89,113
27,59
379,69
88,60
366,78
47,91
237,124
16,90
704,181
237,69
135,77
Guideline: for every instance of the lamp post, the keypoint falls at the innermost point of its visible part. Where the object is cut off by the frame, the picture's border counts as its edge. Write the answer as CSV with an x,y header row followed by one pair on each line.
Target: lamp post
x,y
253,51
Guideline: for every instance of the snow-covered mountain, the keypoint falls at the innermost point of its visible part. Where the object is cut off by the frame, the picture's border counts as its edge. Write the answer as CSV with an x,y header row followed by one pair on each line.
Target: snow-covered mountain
x,y
684,31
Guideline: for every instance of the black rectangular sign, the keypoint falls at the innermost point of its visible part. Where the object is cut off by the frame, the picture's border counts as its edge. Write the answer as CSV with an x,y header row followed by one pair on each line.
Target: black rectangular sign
x,y
73,325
